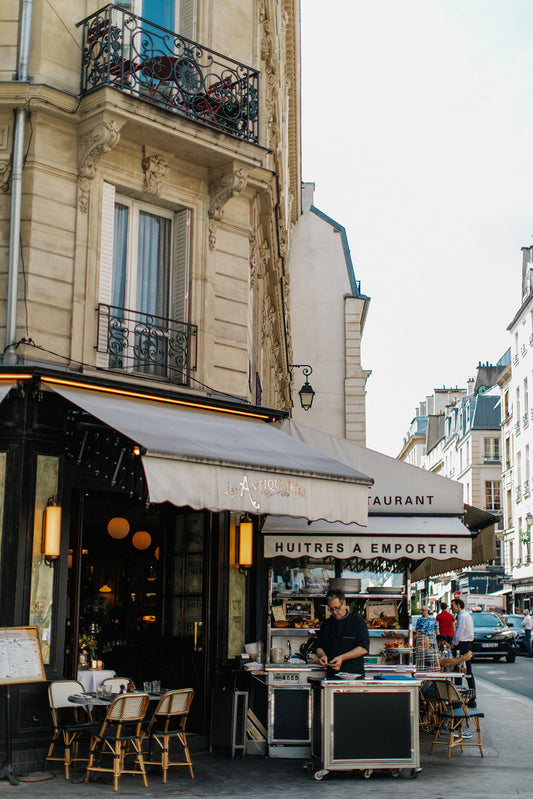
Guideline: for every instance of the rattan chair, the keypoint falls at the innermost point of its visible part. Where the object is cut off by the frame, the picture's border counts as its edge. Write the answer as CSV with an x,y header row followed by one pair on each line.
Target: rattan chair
x,y
120,736
65,718
168,721
453,715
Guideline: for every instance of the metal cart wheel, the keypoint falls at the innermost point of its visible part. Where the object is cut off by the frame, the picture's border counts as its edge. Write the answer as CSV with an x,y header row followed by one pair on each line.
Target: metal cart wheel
x,y
367,773
320,774
415,772
396,772
308,767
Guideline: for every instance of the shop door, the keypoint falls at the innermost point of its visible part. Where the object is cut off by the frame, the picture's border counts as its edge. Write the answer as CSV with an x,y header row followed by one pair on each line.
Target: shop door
x,y
186,581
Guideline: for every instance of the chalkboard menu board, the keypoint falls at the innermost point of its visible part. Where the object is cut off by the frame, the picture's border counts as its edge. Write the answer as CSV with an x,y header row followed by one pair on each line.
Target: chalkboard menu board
x,y
20,656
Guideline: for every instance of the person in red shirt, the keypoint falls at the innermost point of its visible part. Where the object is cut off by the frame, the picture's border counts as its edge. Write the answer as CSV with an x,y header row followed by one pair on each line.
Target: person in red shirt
x,y
446,621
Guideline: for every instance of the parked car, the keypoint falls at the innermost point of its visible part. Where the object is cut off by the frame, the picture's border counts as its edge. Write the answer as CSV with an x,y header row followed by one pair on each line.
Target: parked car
x,y
514,621
492,637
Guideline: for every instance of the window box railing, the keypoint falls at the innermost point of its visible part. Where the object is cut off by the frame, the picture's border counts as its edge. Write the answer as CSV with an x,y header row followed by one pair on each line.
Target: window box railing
x,y
145,344
515,360
517,429
525,420
526,488
141,59
523,350
518,494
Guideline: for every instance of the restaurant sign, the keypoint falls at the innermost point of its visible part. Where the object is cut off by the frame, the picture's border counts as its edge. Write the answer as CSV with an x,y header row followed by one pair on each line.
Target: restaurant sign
x,y
368,547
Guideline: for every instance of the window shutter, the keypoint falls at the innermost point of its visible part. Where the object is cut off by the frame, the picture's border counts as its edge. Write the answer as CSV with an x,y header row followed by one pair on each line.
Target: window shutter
x,y
180,281
106,268
188,18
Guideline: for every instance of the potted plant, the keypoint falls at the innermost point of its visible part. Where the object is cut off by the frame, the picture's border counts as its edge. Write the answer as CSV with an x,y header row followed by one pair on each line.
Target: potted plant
x,y
87,644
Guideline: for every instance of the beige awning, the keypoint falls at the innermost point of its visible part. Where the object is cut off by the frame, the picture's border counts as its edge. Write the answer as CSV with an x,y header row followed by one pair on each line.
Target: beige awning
x,y
227,461
387,537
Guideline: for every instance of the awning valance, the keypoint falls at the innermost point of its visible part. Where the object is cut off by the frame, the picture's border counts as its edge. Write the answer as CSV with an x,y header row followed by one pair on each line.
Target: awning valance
x,y
227,461
387,537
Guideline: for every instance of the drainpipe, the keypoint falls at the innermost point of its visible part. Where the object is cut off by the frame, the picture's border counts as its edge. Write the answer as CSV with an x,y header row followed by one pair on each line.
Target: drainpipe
x,y
10,356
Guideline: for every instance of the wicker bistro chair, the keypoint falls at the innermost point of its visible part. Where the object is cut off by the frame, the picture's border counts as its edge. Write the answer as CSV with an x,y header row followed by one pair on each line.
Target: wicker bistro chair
x,y
120,736
168,721
67,726
454,713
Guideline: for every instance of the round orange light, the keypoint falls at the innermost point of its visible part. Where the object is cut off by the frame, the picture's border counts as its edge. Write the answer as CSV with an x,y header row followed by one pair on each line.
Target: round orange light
x,y
118,527
156,553
141,539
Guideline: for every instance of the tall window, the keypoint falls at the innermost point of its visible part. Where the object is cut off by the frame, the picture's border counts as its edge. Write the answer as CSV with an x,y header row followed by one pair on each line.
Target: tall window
x,y
492,495
491,449
174,15
144,275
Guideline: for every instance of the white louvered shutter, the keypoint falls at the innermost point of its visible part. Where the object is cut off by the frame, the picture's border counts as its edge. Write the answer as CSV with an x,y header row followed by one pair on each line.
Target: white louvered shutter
x,y
181,276
106,266
188,18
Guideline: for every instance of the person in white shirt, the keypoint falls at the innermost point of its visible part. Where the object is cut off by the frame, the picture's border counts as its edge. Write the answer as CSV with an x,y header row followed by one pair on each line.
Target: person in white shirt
x,y
462,641
527,624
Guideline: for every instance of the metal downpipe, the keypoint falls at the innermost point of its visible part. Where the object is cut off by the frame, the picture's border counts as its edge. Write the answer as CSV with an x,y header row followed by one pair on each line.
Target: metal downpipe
x,y
10,356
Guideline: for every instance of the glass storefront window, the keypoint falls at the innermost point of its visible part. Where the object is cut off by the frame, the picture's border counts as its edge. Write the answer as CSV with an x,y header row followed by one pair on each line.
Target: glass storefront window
x,y
236,595
42,576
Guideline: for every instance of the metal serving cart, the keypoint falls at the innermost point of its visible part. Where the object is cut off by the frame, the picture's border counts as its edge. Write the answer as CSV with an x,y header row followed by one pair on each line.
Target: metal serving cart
x,y
364,725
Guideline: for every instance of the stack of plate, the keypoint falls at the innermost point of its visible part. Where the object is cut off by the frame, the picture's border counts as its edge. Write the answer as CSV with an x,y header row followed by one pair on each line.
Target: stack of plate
x,y
350,585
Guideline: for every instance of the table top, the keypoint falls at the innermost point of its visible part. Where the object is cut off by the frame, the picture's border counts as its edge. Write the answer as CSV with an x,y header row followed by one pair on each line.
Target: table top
x,y
92,699
438,675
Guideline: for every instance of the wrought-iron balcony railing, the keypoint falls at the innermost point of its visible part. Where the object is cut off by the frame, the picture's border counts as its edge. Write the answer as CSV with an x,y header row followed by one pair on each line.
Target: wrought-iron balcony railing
x,y
146,344
139,58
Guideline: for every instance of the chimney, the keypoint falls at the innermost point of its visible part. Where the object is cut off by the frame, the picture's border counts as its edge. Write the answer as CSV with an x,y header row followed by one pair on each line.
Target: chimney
x,y
308,191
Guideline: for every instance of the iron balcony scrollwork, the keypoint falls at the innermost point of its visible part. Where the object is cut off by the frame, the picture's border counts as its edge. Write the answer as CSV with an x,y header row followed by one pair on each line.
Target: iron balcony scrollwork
x,y
137,57
146,344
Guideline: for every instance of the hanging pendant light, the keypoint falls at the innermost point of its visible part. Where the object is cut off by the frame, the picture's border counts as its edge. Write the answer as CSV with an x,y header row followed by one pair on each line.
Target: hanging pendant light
x,y
141,539
118,527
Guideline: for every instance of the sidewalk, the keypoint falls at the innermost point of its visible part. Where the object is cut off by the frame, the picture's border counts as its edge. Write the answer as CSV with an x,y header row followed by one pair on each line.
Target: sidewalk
x,y
507,739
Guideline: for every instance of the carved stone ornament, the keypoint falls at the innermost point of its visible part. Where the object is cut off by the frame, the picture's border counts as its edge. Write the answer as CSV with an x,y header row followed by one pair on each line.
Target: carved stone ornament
x,y
5,174
220,191
155,169
93,146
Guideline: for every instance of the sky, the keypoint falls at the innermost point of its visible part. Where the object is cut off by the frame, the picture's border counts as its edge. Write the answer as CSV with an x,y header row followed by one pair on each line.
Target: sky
x,y
417,129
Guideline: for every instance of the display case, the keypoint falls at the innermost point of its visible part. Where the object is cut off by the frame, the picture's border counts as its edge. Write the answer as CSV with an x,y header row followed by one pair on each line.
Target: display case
x,y
297,606
365,724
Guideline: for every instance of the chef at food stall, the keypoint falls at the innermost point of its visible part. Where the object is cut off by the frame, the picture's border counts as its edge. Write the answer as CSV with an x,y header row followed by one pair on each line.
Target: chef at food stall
x,y
343,639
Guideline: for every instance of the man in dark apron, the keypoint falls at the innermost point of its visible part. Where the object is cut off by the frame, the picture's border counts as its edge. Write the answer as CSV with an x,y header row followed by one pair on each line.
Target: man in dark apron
x,y
343,639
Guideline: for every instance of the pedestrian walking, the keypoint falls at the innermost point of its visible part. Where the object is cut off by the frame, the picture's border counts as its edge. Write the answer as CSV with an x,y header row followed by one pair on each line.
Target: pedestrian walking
x,y
527,624
462,641
446,622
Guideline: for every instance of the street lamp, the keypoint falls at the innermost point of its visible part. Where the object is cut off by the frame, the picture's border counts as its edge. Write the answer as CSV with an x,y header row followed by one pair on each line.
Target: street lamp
x,y
306,393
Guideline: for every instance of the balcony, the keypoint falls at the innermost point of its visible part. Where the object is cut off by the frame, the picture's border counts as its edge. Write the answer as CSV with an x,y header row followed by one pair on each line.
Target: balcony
x,y
526,488
525,420
517,429
145,344
140,59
